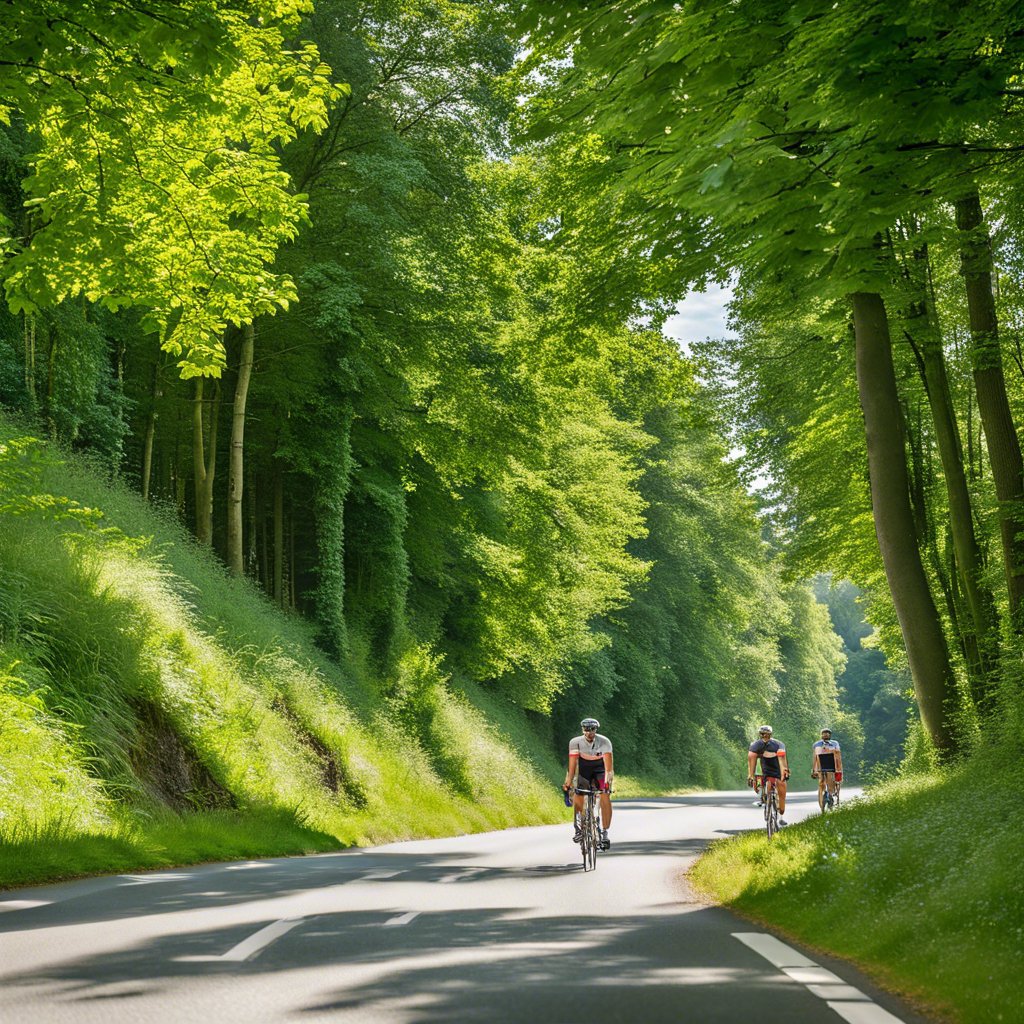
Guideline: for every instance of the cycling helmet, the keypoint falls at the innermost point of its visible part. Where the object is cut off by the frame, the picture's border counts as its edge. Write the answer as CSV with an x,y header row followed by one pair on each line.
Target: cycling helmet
x,y
826,730
762,729
590,723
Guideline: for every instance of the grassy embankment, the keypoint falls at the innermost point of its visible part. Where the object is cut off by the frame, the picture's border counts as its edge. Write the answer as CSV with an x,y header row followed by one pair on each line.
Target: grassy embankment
x,y
155,711
920,885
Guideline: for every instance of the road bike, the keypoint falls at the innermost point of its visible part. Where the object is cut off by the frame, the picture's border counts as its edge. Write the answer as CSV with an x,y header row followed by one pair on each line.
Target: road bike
x,y
771,806
827,800
590,837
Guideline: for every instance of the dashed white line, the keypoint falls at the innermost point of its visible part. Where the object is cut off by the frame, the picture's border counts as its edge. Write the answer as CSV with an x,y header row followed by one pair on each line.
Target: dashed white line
x,y
22,904
404,918
251,947
464,874
377,876
151,879
773,950
864,1013
848,1002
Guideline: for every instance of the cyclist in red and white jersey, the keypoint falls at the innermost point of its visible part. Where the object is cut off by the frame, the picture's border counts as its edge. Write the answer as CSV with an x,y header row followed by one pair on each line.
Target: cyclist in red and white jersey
x,y
590,758
828,765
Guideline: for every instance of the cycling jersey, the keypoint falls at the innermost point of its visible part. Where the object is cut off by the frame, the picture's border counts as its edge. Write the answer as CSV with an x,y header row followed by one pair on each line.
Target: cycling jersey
x,y
769,751
590,750
826,751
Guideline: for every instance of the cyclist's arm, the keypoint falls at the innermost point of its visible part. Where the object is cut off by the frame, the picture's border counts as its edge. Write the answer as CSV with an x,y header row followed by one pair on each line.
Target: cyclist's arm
x,y
571,772
785,764
609,766
839,761
751,762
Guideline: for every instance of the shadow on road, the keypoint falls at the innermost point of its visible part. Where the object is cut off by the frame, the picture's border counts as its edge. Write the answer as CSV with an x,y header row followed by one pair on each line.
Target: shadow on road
x,y
466,965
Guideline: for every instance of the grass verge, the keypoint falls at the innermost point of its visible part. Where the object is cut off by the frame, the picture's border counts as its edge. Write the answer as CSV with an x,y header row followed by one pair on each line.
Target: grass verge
x,y
918,885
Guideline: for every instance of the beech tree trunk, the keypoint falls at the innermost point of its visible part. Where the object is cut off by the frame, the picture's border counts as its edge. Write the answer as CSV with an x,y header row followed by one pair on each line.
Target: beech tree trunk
x,y
979,629
278,535
1003,445
204,462
923,637
147,444
236,464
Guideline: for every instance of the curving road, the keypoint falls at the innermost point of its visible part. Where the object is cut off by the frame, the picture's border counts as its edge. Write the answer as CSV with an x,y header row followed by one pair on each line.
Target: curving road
x,y
503,926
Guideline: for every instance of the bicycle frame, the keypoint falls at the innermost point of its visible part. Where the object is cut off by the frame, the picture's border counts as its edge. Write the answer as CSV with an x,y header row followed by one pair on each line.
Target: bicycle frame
x,y
771,805
590,840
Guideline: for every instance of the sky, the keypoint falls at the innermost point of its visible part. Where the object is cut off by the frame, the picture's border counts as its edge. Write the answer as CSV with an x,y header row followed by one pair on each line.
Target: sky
x,y
700,315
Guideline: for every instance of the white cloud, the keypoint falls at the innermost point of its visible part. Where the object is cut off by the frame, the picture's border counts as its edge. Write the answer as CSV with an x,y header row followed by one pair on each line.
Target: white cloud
x,y
700,315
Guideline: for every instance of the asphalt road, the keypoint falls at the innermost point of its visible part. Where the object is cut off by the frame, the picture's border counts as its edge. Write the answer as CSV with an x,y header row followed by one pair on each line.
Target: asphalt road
x,y
503,926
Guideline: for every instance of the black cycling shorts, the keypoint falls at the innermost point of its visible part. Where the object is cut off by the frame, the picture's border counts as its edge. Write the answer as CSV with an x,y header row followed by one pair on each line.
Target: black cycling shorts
x,y
591,774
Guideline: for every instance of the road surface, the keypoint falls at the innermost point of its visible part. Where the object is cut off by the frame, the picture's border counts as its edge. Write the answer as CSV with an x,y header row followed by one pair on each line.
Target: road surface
x,y
498,927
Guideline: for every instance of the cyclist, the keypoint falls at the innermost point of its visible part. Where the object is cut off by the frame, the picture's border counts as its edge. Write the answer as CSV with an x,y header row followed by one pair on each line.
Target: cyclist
x,y
773,763
828,765
590,757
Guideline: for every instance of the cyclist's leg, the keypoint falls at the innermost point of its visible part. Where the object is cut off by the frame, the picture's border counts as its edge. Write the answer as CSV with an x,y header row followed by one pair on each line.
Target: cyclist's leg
x,y
821,791
781,788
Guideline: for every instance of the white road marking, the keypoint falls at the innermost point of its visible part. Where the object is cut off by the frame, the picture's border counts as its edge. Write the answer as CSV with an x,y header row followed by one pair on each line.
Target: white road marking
x,y
847,993
251,947
404,918
773,950
23,904
864,1013
150,879
248,864
458,876
377,876
813,976
850,1003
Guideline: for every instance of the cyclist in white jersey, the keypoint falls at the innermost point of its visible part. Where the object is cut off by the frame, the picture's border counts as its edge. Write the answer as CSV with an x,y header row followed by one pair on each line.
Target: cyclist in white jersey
x,y
590,757
827,765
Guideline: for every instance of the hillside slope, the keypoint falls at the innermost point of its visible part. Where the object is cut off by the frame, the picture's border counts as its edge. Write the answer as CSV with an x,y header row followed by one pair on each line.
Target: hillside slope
x,y
155,711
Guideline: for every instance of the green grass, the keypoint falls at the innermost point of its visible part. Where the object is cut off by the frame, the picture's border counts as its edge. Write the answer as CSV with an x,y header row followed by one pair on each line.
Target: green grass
x,y
920,885
155,711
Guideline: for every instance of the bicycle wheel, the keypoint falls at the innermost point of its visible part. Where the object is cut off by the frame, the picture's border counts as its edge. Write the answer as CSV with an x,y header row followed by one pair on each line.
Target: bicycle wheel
x,y
590,830
771,813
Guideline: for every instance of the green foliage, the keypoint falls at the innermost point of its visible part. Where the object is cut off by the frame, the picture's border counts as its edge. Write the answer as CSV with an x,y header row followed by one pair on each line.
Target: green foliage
x,y
155,711
154,176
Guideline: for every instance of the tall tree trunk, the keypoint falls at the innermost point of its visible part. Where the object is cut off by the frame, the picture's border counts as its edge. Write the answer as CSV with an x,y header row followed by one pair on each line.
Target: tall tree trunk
x,y
292,586
980,626
147,444
925,642
236,464
331,487
1004,452
278,534
30,360
204,461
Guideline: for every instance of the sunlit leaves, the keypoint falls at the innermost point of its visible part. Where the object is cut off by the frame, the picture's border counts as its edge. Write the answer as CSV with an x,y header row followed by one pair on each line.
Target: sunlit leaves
x,y
156,179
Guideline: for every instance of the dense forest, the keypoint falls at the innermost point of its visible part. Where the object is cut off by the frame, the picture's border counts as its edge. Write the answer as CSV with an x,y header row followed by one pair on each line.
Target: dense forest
x,y
371,297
